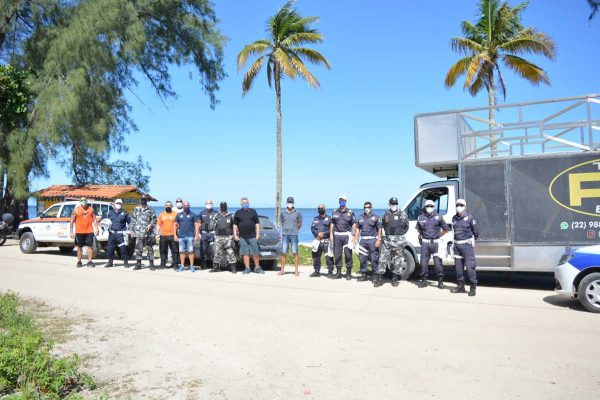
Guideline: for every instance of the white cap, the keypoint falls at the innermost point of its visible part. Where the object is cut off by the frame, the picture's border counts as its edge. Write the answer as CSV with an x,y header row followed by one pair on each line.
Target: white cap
x,y
118,201
429,203
461,201
343,196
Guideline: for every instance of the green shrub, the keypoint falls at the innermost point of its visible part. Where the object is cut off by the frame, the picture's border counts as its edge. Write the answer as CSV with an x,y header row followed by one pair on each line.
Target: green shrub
x,y
28,370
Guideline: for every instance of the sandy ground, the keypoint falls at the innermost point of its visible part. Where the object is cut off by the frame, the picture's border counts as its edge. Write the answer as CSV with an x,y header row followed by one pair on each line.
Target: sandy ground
x,y
174,335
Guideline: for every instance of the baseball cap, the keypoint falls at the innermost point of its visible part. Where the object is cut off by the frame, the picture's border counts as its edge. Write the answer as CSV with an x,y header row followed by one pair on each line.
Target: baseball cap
x,y
179,200
461,202
118,201
290,200
429,203
343,196
393,201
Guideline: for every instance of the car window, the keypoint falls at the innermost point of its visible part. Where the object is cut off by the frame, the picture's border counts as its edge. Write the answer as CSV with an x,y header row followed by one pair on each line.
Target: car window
x,y
266,224
67,210
439,196
52,212
104,211
414,208
97,209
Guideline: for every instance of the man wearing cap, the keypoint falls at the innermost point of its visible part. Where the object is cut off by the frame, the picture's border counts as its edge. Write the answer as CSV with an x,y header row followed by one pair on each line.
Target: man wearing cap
x,y
340,231
431,226
117,237
207,237
291,222
143,223
320,230
222,224
86,226
369,229
395,225
165,233
466,232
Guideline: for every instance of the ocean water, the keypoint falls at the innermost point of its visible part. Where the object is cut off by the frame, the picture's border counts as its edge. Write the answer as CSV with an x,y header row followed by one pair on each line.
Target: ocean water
x,y
304,236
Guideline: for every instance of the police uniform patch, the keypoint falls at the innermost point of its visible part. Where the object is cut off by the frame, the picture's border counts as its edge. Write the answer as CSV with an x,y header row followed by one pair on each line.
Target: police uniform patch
x,y
437,217
326,219
395,217
228,220
474,222
466,218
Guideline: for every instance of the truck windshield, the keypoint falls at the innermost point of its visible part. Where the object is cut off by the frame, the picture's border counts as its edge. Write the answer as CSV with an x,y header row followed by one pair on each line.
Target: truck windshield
x,y
438,195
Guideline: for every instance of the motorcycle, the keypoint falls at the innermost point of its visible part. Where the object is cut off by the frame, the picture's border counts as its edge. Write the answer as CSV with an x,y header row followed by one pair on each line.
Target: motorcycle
x,y
5,227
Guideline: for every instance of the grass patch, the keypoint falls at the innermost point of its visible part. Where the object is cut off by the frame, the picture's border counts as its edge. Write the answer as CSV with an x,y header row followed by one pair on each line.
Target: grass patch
x,y
305,254
28,369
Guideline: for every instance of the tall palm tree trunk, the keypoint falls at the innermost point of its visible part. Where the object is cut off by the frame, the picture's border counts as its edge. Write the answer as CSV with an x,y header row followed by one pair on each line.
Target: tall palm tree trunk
x,y
279,147
491,118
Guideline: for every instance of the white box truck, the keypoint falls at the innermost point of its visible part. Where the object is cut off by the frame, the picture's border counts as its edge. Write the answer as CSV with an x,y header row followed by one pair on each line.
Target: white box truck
x,y
534,194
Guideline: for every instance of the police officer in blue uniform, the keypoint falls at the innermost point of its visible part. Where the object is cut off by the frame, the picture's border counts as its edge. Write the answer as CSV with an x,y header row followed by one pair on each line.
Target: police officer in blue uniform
x,y
320,230
369,228
343,220
120,221
431,226
466,232
207,237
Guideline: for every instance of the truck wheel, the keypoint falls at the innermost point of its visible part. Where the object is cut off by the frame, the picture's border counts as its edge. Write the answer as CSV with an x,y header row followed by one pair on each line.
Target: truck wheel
x,y
589,292
2,238
65,249
27,243
408,271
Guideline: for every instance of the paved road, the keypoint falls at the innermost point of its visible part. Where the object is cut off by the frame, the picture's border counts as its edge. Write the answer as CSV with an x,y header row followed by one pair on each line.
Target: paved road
x,y
222,336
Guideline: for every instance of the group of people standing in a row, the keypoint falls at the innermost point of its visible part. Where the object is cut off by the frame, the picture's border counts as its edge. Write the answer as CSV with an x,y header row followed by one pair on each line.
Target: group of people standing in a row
x,y
380,239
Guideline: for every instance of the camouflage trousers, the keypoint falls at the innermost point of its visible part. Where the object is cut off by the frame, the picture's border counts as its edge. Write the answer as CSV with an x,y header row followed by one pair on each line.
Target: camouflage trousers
x,y
142,242
224,250
392,255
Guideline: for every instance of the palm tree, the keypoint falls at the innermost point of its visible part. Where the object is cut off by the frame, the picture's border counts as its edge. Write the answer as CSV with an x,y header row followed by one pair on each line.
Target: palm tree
x,y
595,6
284,55
498,38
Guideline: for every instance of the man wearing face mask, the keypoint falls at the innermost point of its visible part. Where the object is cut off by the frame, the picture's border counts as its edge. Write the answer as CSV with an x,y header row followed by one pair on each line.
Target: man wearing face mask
x,y
86,226
466,232
431,227
395,225
178,205
343,220
120,220
143,223
187,229
208,234
246,230
166,236
291,222
320,230
222,224
369,229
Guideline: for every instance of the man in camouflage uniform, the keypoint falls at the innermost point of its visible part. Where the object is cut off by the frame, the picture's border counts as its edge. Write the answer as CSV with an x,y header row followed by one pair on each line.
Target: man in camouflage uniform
x,y
143,224
395,225
222,225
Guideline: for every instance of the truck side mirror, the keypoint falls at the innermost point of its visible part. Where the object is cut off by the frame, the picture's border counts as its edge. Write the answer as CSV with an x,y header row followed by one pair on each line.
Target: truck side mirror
x,y
41,215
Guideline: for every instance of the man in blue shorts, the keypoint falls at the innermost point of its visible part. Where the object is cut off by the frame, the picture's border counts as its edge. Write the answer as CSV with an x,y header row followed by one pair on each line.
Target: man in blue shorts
x,y
246,230
291,222
187,233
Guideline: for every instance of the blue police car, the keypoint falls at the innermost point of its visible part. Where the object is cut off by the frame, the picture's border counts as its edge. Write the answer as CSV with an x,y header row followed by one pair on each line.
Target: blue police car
x,y
578,276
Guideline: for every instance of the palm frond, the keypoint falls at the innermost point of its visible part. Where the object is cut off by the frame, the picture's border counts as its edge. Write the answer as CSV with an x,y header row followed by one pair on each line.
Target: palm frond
x,y
301,69
457,70
270,71
302,37
258,47
501,85
464,45
525,69
531,43
473,69
283,63
251,74
311,55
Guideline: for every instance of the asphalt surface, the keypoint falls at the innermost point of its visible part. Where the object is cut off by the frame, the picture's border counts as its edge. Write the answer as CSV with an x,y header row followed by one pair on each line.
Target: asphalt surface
x,y
162,334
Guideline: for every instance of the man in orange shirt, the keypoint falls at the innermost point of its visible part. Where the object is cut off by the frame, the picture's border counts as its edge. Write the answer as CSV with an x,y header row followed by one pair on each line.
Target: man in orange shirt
x,y
86,226
166,236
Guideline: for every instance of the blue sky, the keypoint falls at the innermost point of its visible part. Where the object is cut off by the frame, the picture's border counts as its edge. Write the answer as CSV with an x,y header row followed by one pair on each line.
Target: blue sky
x,y
354,135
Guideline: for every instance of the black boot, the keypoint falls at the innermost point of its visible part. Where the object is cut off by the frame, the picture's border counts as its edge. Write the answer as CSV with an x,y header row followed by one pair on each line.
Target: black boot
x,y
109,264
441,282
203,266
377,280
315,274
472,289
395,280
330,274
348,274
152,268
460,288
175,266
338,275
215,268
363,277
138,264
422,282
126,263
233,268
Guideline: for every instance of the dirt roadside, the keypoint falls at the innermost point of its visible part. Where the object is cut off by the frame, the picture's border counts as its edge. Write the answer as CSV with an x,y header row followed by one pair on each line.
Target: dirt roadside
x,y
164,335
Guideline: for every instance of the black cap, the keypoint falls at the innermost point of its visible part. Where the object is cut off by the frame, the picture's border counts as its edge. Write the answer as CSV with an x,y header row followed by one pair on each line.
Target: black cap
x,y
290,200
393,201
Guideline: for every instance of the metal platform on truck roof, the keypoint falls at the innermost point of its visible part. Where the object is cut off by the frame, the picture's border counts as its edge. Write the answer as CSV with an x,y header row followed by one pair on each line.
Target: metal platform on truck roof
x,y
443,140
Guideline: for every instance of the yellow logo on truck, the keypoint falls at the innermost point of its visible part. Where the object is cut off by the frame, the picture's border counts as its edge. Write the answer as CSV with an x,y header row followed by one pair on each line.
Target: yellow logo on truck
x,y
572,186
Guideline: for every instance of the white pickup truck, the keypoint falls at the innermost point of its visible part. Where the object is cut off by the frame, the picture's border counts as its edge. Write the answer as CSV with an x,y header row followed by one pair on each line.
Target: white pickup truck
x,y
51,228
